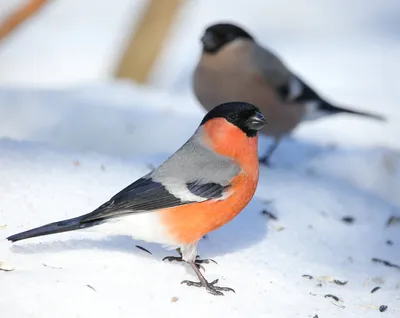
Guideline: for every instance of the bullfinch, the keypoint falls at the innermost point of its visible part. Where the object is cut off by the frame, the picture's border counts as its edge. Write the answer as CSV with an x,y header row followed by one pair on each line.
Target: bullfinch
x,y
202,186
233,66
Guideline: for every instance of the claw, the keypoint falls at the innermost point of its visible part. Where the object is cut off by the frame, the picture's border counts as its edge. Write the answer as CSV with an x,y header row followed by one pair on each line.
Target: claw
x,y
190,283
211,288
205,261
173,258
201,267
198,261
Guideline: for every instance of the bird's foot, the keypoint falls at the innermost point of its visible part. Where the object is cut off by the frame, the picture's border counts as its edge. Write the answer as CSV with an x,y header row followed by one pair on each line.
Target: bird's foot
x,y
173,258
204,261
197,262
210,287
265,161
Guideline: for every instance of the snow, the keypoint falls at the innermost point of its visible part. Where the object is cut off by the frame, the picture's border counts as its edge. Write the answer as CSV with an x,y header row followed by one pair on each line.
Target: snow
x,y
113,118
46,177
70,137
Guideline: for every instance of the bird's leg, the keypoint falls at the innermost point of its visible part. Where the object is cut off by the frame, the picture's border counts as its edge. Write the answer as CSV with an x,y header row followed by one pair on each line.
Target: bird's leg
x,y
197,261
265,160
211,288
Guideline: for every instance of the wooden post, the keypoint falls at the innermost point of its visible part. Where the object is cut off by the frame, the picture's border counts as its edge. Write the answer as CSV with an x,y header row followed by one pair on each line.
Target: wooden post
x,y
19,16
146,41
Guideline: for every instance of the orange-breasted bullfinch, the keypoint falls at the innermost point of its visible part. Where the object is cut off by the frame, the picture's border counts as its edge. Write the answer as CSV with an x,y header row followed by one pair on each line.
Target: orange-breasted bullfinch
x,y
233,66
198,189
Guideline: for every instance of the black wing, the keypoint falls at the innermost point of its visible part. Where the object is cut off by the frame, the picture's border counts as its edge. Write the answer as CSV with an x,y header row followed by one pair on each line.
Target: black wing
x,y
147,195
210,190
297,91
142,195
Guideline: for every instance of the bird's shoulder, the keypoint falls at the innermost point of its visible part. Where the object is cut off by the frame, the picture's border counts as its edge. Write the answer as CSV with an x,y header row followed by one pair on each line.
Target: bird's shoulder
x,y
192,174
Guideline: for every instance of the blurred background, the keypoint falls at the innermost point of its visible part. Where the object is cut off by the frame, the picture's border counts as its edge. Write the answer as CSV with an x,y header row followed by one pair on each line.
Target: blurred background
x,y
62,59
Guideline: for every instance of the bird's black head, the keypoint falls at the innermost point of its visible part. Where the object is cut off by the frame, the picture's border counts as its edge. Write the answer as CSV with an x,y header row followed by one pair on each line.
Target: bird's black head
x,y
243,115
218,35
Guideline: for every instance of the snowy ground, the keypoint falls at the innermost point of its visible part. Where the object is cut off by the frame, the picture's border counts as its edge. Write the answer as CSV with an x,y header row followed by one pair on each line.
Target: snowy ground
x,y
64,151
85,274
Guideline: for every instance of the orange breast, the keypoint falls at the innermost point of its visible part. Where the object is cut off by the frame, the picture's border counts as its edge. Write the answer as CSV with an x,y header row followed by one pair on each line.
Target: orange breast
x,y
187,224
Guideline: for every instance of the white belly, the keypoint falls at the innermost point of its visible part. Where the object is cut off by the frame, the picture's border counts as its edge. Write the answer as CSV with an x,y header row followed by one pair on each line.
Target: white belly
x,y
140,226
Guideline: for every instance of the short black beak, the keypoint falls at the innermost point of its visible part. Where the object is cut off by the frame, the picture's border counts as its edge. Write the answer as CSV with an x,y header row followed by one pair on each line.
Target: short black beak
x,y
209,43
256,122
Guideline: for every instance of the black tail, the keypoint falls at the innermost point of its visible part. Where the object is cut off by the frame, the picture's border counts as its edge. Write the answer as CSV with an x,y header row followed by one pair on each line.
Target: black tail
x,y
56,227
309,95
326,107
